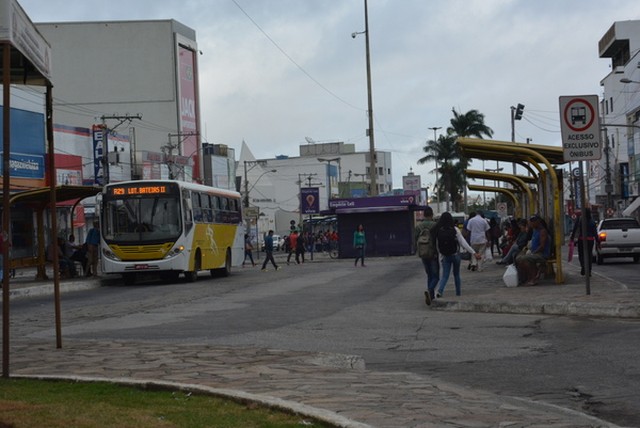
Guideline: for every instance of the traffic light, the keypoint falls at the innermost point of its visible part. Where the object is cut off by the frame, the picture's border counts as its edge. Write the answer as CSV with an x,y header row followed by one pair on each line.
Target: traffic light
x,y
519,110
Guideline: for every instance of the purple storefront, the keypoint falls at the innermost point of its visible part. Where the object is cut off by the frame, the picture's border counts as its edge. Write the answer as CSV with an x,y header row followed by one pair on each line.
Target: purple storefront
x,y
389,224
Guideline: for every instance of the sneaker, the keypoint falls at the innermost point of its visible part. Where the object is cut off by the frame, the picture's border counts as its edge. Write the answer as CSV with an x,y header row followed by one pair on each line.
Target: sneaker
x,y
263,269
438,295
277,267
427,298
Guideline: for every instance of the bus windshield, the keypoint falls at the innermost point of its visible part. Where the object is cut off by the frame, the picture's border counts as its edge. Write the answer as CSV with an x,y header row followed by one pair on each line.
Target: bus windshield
x,y
139,219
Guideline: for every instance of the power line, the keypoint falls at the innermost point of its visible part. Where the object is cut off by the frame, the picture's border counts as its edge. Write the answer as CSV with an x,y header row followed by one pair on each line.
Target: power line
x,y
286,55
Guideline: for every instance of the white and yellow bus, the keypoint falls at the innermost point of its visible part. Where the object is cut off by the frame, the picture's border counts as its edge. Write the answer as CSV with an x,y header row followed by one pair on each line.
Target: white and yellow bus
x,y
169,227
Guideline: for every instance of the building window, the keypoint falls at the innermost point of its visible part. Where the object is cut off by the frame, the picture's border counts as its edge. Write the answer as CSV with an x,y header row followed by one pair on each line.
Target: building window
x,y
611,104
380,171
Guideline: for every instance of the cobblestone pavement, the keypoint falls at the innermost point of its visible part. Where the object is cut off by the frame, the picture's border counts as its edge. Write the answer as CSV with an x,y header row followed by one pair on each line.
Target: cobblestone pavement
x,y
335,388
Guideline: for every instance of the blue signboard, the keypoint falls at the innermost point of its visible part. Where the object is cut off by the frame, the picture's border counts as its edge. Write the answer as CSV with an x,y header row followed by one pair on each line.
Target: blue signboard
x,y
98,144
24,166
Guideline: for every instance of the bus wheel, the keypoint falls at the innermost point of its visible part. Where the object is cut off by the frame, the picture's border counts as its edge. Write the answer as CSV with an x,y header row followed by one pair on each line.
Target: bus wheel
x,y
226,270
129,278
192,276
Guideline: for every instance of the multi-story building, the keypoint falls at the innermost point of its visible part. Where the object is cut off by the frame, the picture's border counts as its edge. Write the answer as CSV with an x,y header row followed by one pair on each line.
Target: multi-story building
x,y
272,186
617,175
139,78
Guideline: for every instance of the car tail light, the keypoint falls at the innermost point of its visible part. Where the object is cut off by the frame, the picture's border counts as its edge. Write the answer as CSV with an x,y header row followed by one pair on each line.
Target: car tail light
x,y
602,236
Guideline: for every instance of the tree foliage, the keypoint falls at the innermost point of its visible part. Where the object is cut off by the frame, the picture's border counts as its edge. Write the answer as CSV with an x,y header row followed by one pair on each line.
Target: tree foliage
x,y
451,165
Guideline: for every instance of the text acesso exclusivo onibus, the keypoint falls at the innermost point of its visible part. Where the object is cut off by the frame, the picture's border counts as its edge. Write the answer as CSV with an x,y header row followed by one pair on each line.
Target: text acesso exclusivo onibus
x,y
169,227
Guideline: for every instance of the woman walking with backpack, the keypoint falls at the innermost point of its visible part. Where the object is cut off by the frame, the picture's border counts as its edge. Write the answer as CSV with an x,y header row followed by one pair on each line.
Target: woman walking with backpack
x,y
448,240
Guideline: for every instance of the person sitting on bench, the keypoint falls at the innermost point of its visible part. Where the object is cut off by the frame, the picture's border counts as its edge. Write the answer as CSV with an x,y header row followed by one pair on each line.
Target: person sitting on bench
x,y
532,264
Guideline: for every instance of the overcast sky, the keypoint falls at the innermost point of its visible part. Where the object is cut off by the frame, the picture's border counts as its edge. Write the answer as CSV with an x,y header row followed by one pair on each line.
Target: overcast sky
x,y
273,72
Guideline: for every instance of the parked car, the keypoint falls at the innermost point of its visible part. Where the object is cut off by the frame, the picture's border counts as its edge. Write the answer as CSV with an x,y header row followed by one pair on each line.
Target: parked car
x,y
619,237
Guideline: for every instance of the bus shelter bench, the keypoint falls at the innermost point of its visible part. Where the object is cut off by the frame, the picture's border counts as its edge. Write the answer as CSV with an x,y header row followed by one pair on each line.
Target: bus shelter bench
x,y
32,262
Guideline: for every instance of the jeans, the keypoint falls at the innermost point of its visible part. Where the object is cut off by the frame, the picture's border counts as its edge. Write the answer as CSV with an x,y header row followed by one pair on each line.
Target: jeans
x,y
432,268
360,255
269,258
447,263
248,253
510,258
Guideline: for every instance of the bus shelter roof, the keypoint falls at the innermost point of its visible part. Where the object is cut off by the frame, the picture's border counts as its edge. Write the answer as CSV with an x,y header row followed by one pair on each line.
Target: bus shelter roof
x,y
506,151
42,195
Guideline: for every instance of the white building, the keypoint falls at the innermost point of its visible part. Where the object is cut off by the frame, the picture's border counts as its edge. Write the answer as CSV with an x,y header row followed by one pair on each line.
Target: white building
x,y
618,173
272,186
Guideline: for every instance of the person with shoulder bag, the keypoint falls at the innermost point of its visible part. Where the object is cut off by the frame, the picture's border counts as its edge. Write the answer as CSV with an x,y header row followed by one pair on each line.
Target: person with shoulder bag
x,y
248,250
426,250
448,241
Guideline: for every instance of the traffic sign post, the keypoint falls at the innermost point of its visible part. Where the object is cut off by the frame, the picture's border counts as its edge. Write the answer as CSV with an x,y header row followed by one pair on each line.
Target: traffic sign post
x,y
580,126
581,141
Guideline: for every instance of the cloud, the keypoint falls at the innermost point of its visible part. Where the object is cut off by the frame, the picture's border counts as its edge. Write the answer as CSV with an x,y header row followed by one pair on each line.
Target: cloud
x,y
426,57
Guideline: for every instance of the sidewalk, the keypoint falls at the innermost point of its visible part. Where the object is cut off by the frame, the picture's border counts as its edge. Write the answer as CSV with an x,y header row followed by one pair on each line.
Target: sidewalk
x,y
331,387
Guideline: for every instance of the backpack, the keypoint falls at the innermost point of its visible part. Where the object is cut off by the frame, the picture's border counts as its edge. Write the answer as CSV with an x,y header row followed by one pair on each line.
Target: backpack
x,y
426,247
447,241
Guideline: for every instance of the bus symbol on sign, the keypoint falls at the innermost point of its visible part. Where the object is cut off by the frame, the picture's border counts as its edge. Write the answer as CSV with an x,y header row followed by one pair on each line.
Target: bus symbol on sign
x,y
578,114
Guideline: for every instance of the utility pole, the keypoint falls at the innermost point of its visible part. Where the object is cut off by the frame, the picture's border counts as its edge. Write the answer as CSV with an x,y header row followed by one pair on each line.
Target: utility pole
x,y
105,144
608,187
170,147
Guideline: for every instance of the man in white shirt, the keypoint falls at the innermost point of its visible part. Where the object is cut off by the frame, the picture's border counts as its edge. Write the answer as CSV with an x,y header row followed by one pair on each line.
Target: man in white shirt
x,y
478,228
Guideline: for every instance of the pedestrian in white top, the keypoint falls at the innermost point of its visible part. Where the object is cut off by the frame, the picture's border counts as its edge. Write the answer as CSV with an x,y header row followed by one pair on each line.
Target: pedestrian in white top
x,y
478,229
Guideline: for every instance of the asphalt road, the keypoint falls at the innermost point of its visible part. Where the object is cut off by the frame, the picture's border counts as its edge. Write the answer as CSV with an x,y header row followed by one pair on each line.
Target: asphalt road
x,y
377,312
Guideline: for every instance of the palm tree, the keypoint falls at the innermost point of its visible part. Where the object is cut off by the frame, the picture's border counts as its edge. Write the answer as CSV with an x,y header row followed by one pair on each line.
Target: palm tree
x,y
443,152
470,124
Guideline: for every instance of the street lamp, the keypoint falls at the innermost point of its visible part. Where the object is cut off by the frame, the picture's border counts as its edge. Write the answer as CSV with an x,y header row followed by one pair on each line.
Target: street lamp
x,y
372,148
259,177
246,182
328,161
495,183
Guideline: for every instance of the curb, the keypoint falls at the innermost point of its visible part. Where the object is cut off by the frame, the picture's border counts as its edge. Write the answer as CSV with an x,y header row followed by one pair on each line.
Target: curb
x,y
239,396
564,309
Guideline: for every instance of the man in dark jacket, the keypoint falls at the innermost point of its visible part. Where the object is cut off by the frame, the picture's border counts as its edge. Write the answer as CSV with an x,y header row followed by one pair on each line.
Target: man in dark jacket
x,y
268,249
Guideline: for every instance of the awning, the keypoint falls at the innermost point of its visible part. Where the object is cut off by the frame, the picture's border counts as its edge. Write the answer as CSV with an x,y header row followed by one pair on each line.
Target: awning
x,y
63,193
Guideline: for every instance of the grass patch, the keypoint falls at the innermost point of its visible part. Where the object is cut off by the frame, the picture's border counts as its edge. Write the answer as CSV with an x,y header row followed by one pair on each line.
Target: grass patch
x,y
28,403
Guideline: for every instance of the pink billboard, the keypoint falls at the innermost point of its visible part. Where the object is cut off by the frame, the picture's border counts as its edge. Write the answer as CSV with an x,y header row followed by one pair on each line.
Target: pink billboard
x,y
188,107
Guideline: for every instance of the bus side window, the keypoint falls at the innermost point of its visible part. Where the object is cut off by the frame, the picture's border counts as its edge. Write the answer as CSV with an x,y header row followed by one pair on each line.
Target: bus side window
x,y
207,214
215,204
188,210
197,208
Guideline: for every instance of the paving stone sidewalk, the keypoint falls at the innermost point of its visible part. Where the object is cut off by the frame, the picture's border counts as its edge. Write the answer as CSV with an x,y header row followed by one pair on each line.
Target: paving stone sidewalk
x,y
338,388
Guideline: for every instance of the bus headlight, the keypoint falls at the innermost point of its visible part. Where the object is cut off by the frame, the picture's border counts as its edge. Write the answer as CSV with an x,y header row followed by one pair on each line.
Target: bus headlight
x,y
175,251
109,254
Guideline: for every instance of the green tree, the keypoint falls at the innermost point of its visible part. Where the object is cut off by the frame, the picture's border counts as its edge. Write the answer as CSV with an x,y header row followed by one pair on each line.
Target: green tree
x,y
443,151
469,124
451,165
